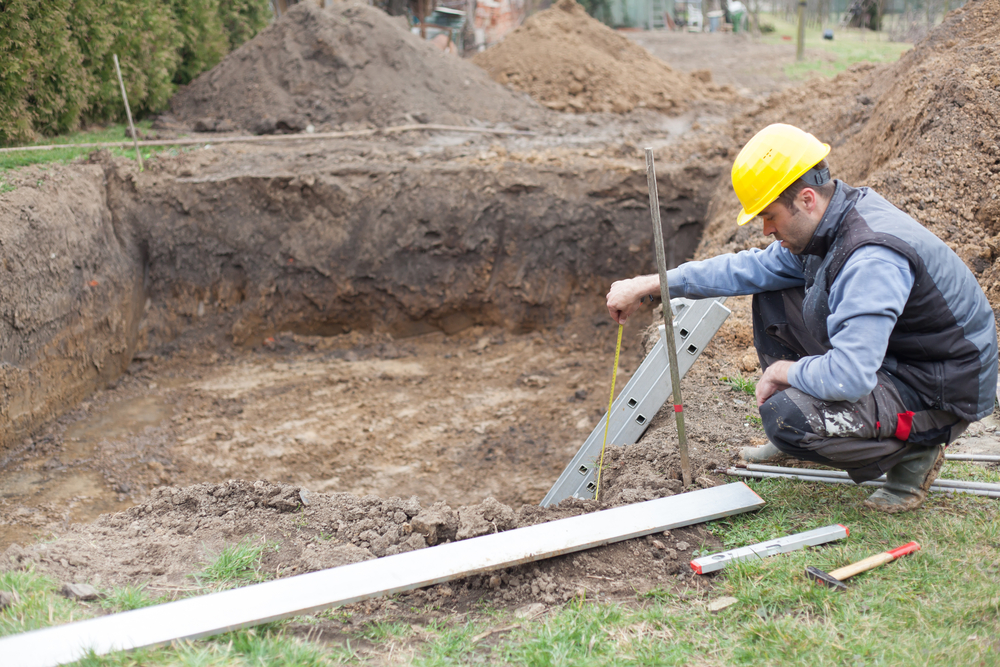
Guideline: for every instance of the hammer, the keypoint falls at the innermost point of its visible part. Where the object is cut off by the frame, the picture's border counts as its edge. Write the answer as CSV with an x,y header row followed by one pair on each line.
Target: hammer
x,y
836,578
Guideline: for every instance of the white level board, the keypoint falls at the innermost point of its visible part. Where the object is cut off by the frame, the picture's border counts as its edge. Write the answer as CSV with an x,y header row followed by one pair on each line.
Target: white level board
x,y
695,323
307,593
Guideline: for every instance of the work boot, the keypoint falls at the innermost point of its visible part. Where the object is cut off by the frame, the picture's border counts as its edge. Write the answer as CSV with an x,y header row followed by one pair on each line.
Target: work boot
x,y
764,454
908,482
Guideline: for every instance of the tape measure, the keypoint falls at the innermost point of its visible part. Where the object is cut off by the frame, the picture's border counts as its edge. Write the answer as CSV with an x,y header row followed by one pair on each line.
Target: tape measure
x,y
607,423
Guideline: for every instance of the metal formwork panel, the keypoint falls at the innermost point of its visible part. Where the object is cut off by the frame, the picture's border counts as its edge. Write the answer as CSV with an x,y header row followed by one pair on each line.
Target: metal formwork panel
x,y
695,323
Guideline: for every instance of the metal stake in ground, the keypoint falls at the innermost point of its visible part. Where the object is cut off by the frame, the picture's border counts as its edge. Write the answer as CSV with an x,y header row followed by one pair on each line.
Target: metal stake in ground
x,y
668,319
128,112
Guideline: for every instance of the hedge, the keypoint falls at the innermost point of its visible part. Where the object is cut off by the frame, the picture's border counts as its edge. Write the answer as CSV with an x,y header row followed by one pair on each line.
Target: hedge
x,y
56,70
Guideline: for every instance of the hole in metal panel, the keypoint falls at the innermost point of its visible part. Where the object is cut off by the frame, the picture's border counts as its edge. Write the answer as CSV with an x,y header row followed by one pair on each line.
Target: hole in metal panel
x,y
591,487
692,349
632,402
685,333
640,419
584,470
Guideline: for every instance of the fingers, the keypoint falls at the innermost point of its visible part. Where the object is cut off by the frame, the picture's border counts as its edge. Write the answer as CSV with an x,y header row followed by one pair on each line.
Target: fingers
x,y
621,301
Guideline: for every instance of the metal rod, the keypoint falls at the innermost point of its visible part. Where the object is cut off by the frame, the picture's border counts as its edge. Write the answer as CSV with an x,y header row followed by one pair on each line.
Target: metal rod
x,y
128,112
813,472
275,137
981,458
756,474
206,615
668,316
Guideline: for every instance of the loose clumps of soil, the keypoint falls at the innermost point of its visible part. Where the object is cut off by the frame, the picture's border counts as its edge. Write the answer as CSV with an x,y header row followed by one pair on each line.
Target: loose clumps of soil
x,y
349,64
569,61
922,132
168,540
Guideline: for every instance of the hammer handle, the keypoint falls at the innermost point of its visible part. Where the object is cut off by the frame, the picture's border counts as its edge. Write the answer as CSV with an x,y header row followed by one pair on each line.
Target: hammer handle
x,y
872,562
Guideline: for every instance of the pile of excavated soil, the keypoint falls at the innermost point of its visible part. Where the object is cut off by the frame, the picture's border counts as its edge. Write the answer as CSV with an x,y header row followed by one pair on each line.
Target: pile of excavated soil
x,y
168,540
569,61
348,64
923,132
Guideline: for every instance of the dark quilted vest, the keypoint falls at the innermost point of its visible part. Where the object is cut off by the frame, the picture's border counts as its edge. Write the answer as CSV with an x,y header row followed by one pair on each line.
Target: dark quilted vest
x,y
944,344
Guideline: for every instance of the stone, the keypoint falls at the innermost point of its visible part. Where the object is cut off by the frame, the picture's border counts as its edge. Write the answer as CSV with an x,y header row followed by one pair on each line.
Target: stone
x,y
717,605
7,599
529,611
489,516
437,524
80,592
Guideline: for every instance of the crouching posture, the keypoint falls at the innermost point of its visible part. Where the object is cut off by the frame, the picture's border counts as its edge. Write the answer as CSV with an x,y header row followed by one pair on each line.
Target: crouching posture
x,y
877,343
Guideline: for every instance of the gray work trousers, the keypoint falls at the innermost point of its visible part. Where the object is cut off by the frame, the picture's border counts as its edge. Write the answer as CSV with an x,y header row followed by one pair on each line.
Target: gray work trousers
x,y
867,437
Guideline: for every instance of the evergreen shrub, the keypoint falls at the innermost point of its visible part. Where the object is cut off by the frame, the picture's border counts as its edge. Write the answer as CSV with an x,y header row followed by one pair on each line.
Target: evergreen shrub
x,y
56,67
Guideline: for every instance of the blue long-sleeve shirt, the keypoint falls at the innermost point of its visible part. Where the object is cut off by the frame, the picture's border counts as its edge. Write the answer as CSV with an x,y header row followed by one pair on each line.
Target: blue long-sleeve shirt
x,y
865,300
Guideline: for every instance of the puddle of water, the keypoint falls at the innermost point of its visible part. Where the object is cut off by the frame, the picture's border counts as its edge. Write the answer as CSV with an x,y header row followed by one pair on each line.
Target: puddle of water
x,y
73,485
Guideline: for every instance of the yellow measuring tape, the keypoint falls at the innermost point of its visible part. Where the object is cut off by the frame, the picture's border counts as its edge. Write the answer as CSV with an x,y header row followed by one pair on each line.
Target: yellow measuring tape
x,y
607,423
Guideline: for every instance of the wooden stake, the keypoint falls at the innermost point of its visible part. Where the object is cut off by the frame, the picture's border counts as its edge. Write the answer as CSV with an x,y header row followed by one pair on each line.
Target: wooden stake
x,y
128,112
668,316
800,46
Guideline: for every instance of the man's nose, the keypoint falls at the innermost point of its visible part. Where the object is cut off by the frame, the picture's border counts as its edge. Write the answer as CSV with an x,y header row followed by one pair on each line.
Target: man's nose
x,y
768,228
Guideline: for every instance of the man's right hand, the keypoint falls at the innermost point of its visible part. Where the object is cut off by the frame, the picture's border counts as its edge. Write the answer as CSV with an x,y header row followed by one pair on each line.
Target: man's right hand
x,y
624,295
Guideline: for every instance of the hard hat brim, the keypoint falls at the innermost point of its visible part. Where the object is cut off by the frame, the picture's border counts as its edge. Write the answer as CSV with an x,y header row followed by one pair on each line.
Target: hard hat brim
x,y
744,217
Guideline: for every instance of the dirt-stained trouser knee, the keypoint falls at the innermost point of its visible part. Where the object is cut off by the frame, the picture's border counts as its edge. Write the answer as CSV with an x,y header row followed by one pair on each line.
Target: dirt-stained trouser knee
x,y
865,438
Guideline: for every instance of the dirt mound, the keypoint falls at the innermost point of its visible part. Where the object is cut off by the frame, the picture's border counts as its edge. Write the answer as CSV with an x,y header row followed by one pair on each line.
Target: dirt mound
x,y
922,132
168,540
569,61
348,64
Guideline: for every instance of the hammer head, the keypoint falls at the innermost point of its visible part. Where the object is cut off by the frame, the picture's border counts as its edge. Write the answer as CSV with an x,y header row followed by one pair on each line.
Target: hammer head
x,y
822,577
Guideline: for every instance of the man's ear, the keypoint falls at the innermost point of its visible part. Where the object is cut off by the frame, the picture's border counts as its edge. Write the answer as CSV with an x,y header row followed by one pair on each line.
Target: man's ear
x,y
808,199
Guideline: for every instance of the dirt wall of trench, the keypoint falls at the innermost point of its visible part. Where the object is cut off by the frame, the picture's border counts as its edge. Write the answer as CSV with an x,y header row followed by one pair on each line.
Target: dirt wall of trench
x,y
71,297
406,248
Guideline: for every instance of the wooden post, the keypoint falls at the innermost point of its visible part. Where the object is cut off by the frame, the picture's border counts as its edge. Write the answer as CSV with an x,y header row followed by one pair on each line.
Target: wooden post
x,y
668,317
800,48
128,112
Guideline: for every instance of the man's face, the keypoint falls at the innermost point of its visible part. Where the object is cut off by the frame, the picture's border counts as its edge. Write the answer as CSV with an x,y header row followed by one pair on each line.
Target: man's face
x,y
793,227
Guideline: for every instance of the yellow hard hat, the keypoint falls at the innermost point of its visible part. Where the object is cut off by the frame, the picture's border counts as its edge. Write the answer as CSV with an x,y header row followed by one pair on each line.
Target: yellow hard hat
x,y
769,163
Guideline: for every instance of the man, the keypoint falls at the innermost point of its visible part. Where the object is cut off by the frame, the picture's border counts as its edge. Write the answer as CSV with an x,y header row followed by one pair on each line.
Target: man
x,y
877,343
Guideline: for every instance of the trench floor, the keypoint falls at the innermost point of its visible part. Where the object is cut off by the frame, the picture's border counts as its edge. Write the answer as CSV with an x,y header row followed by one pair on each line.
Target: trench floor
x,y
458,418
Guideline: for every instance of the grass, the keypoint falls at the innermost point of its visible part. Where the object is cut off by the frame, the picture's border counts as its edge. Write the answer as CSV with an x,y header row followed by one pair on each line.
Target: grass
x,y
110,133
739,383
939,606
127,598
236,565
848,46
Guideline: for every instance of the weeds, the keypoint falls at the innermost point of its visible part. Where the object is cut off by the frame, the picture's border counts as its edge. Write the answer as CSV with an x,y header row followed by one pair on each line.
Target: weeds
x,y
237,565
127,598
740,383
383,631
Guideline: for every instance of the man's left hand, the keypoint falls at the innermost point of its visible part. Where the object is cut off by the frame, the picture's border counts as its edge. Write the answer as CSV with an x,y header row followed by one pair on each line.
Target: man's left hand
x,y
774,379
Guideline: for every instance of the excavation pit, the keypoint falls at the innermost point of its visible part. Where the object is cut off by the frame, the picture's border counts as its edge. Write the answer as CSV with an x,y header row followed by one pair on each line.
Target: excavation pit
x,y
334,320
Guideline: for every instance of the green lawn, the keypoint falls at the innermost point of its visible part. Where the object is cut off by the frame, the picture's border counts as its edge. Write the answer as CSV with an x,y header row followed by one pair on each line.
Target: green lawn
x,y
939,606
110,133
849,45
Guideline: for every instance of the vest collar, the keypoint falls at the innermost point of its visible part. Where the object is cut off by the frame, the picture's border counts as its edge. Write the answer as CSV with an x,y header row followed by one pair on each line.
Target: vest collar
x,y
826,231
